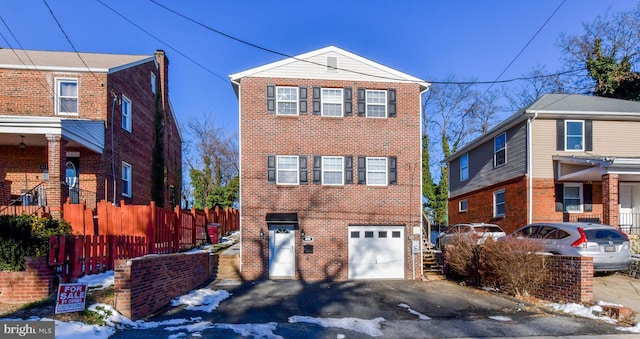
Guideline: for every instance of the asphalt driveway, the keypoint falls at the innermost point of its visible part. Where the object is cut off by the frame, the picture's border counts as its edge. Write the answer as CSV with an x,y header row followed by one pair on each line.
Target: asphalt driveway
x,y
452,311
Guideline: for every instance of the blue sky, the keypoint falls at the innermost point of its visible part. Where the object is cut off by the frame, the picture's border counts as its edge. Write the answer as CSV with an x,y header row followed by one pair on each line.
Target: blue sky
x,y
426,39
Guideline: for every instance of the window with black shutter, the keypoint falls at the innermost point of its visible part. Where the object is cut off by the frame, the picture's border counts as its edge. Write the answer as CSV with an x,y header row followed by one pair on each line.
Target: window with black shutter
x,y
302,164
362,169
559,136
316,100
391,103
317,169
393,170
559,190
271,100
587,192
303,100
348,102
362,102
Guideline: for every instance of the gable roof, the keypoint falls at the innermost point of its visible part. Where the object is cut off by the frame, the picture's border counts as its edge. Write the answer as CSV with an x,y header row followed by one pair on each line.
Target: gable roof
x,y
554,106
314,65
69,61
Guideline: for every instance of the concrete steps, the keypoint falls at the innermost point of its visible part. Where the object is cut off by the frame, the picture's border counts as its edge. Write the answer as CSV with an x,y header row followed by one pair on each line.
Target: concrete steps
x,y
432,265
229,264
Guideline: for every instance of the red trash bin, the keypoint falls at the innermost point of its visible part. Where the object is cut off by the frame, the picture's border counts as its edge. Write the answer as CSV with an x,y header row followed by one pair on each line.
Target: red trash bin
x,y
212,231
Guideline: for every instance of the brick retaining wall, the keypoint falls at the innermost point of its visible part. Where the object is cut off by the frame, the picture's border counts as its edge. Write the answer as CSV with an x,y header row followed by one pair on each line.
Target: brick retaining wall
x,y
37,282
569,280
145,285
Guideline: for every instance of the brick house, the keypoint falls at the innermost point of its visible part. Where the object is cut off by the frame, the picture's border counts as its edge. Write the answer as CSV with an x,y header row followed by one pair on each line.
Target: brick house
x,y
330,184
566,157
82,126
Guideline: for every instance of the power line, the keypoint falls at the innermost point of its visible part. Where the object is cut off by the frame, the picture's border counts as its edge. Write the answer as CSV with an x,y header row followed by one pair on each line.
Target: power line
x,y
164,43
71,43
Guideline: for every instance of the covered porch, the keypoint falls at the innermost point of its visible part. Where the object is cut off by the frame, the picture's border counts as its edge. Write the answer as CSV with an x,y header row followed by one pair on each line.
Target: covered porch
x,y
620,180
40,161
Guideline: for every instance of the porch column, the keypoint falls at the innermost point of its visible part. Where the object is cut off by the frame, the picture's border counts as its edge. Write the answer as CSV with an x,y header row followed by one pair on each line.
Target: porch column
x,y
57,158
610,209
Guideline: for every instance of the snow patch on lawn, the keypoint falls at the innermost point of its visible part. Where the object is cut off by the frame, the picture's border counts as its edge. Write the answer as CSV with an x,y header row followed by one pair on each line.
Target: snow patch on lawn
x,y
365,326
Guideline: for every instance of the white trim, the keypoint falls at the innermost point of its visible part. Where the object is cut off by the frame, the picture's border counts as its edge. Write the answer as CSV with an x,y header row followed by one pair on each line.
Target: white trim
x,y
580,196
126,165
297,169
386,170
58,81
495,152
128,117
154,82
332,171
460,208
295,102
566,136
495,204
324,100
467,167
383,104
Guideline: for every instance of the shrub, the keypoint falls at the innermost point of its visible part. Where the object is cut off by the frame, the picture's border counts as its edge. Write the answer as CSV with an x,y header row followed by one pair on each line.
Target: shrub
x,y
26,235
513,265
461,256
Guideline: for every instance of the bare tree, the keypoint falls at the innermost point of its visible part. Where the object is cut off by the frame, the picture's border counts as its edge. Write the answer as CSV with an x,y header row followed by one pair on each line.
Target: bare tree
x,y
537,84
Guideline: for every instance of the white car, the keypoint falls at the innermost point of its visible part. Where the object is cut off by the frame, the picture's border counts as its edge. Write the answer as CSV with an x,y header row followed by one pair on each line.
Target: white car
x,y
478,231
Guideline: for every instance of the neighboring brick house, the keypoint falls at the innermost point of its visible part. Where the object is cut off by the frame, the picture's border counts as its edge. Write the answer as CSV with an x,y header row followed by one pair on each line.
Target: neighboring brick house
x,y
82,125
330,164
566,157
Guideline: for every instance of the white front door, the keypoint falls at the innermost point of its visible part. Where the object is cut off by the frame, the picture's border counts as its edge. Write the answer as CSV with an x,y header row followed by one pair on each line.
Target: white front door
x,y
376,252
629,200
281,253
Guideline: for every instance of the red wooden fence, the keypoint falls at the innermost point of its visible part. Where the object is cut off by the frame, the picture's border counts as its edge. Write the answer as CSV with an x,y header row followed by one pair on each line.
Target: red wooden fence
x,y
80,255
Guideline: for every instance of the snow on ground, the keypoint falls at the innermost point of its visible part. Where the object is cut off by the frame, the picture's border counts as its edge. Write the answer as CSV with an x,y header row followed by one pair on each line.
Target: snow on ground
x,y
414,312
203,299
633,329
98,281
368,327
582,311
500,318
253,330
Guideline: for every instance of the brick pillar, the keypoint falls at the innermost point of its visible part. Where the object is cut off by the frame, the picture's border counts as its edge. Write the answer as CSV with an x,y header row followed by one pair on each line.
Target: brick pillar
x,y
57,158
5,192
610,209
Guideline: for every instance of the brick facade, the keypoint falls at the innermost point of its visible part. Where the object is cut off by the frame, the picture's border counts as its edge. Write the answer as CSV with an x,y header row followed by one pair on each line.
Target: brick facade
x,y
144,285
37,282
325,212
568,280
32,93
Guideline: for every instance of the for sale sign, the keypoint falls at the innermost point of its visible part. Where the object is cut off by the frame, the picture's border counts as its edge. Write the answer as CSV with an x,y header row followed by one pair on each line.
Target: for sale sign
x,y
71,298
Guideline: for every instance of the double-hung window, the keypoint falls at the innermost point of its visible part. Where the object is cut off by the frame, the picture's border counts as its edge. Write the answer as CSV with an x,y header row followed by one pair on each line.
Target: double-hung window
x,y
464,167
126,114
67,96
376,104
287,100
463,205
333,170
498,203
500,150
287,170
574,135
573,197
126,179
332,102
377,171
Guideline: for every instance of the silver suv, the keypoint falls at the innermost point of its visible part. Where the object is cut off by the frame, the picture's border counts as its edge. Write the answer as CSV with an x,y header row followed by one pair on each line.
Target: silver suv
x,y
608,246
478,231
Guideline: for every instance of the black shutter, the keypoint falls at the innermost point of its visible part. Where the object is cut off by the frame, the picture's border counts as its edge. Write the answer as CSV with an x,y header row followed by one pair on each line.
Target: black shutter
x,y
362,102
303,100
348,102
317,169
587,195
559,197
391,102
348,169
362,170
316,100
271,99
271,169
588,135
560,135
393,170
302,165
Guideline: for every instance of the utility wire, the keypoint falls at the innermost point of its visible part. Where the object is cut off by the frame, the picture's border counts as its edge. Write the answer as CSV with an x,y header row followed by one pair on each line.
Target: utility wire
x,y
373,75
71,43
164,43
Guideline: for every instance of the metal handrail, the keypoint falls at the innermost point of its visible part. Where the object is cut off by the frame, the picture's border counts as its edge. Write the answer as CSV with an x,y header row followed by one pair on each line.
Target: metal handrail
x,y
26,198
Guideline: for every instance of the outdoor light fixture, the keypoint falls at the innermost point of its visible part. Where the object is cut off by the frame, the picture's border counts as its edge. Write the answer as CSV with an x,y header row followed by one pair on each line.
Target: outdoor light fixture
x,y
302,234
261,234
22,145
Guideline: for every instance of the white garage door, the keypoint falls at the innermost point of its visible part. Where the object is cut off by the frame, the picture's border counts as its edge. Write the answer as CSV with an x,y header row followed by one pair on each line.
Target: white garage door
x,y
376,252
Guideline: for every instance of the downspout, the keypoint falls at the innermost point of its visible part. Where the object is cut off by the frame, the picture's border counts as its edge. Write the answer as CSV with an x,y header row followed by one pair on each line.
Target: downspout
x,y
113,164
530,169
240,166
413,266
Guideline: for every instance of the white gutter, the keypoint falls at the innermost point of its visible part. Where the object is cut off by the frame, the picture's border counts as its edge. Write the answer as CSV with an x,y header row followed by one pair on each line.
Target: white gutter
x,y
530,169
413,268
237,84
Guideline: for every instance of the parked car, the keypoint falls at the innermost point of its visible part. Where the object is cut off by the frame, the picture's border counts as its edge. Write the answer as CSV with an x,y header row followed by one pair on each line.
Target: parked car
x,y
478,231
608,246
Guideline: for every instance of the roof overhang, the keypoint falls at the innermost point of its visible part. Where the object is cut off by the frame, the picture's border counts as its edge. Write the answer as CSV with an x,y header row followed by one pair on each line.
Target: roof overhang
x,y
81,132
628,168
